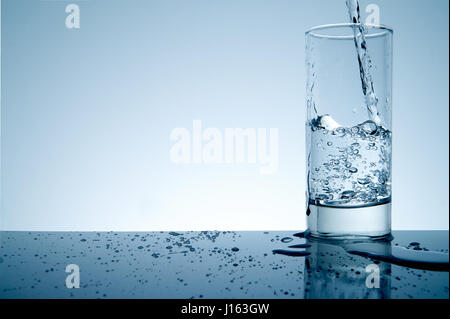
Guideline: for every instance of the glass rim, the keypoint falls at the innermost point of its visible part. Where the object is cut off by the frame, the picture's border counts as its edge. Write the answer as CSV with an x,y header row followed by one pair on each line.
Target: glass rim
x,y
382,30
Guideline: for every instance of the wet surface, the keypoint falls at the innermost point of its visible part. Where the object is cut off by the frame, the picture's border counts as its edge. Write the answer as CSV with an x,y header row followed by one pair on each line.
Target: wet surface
x,y
221,265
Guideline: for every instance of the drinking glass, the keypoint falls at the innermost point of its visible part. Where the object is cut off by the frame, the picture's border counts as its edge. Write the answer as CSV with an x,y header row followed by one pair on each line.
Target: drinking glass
x,y
349,130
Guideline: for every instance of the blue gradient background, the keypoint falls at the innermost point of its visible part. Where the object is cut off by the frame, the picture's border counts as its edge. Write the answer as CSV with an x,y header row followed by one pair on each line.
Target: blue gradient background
x,y
86,114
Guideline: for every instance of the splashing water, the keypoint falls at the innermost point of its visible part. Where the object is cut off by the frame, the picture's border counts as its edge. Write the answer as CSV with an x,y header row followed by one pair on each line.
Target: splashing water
x,y
349,166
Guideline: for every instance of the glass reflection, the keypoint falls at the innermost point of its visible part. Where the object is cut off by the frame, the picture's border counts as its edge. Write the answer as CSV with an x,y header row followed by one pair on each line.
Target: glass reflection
x,y
331,272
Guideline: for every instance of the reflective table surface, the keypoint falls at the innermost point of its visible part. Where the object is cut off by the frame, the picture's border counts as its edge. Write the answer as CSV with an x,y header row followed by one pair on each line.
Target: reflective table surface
x,y
218,264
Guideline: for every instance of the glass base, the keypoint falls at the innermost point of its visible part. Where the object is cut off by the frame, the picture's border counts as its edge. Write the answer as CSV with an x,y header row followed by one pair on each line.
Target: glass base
x,y
349,222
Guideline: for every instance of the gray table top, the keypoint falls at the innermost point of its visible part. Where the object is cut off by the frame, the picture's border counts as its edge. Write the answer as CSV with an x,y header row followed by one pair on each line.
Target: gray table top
x,y
213,264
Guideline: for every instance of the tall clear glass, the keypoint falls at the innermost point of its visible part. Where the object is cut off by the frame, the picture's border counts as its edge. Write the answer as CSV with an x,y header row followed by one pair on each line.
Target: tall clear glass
x,y
349,130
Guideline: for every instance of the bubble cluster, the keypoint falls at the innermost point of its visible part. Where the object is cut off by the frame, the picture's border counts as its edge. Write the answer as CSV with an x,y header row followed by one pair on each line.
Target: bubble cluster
x,y
349,166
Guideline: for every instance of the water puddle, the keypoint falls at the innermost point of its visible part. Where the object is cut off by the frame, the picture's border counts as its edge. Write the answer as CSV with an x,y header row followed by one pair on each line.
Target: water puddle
x,y
402,256
413,256
291,253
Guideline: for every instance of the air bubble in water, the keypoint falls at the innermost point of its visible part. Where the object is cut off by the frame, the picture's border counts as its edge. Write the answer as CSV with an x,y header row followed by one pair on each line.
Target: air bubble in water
x,y
348,194
340,132
353,170
364,181
355,130
369,127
